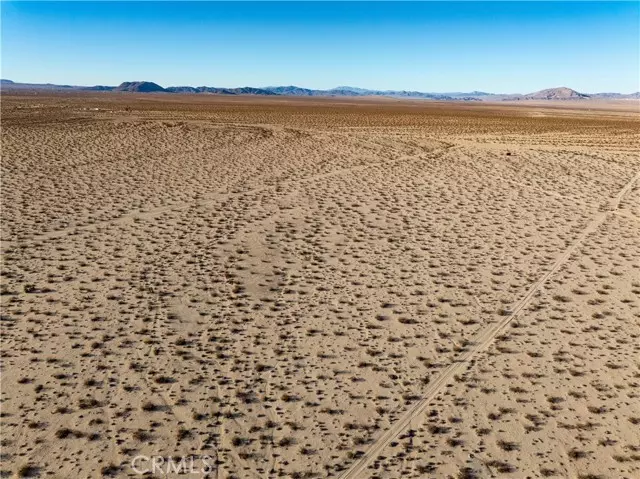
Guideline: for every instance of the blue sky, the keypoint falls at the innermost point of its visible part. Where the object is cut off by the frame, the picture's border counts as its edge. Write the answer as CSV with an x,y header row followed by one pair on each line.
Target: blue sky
x,y
427,46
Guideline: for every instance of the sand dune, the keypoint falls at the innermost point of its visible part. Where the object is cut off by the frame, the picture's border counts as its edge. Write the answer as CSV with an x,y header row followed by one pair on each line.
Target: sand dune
x,y
319,288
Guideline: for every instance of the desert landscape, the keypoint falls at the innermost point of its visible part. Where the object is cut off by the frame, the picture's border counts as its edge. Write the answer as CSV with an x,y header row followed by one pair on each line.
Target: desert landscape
x,y
319,287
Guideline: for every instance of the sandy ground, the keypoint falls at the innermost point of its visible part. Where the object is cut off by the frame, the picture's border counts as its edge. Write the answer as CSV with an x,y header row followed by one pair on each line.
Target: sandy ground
x,y
319,288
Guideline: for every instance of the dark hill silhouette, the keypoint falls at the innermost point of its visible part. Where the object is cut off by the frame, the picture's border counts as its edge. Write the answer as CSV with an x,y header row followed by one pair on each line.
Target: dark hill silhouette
x,y
139,86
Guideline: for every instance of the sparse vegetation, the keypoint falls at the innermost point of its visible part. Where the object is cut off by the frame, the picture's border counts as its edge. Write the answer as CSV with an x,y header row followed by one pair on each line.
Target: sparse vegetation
x,y
284,282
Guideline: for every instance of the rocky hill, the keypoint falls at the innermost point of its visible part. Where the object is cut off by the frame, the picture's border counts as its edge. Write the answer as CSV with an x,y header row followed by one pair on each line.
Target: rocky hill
x,y
139,86
561,93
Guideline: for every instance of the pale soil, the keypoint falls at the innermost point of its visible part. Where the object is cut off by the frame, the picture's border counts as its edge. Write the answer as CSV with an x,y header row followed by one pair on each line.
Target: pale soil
x,y
312,288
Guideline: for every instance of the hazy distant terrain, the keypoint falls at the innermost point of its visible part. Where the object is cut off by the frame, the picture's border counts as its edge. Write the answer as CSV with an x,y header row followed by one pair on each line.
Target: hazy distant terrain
x,y
561,93
319,287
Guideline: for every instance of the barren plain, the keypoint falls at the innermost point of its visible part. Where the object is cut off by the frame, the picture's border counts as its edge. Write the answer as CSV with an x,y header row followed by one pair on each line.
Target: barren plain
x,y
320,288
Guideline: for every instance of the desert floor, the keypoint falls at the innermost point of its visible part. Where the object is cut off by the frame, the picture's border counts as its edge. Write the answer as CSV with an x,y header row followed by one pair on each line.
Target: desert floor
x,y
319,288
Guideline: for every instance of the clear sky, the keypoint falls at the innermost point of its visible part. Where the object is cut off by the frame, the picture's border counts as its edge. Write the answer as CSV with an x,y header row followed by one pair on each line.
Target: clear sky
x,y
502,47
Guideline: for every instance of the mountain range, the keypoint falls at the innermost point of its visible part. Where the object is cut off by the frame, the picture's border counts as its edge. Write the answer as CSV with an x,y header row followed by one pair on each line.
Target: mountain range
x,y
560,93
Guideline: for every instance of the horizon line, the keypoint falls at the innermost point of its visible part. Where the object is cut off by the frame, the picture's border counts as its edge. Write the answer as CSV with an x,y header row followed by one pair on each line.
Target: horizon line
x,y
337,87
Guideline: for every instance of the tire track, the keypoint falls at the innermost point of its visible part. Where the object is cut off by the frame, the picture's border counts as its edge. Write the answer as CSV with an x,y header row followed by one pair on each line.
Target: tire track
x,y
482,342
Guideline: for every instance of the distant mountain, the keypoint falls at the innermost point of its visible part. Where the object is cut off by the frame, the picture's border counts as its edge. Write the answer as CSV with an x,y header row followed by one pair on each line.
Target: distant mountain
x,y
9,84
98,88
290,90
561,93
247,90
361,91
354,91
181,89
344,91
609,95
139,87
412,94
473,94
617,96
219,91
